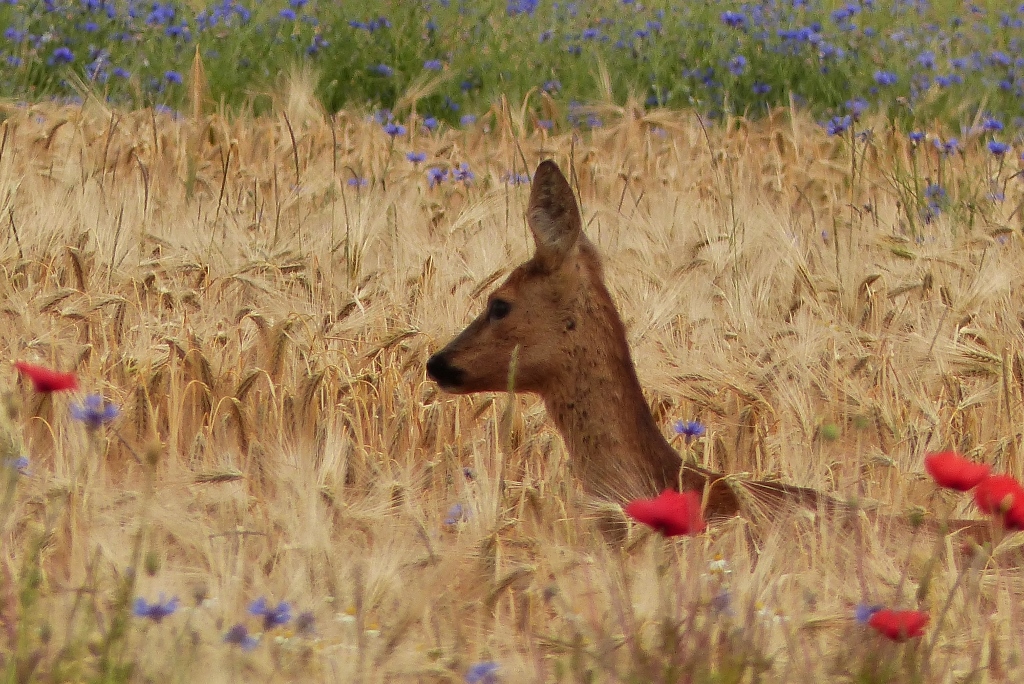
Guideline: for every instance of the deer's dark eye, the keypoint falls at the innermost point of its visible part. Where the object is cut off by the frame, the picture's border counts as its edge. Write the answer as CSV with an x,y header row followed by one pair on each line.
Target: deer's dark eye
x,y
499,309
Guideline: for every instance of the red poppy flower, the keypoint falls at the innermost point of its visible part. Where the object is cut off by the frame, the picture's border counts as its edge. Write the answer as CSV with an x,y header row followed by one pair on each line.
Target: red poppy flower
x,y
671,513
950,469
47,380
998,494
899,625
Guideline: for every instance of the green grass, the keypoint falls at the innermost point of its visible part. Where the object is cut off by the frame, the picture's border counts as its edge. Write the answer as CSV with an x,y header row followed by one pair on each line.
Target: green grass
x,y
680,58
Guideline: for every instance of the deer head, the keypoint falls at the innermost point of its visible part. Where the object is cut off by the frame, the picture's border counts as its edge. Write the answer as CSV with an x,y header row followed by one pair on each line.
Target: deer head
x,y
545,312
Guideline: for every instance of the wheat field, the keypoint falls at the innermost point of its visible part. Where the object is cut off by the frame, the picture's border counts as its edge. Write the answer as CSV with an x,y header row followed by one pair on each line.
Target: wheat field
x,y
263,324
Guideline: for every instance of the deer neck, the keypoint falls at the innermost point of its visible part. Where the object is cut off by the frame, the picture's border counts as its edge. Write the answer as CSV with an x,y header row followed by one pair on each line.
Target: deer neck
x,y
600,410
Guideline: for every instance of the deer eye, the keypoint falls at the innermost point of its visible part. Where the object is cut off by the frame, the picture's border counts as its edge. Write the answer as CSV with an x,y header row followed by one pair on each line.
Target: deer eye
x,y
499,309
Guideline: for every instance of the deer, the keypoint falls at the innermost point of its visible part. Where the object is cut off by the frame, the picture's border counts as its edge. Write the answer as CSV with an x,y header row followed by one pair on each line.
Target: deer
x,y
552,329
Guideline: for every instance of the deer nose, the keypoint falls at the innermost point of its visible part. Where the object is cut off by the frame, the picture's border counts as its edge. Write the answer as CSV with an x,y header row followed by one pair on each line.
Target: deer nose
x,y
443,373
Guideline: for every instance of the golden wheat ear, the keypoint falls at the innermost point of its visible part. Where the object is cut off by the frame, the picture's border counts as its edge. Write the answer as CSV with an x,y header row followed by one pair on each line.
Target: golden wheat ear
x,y
553,215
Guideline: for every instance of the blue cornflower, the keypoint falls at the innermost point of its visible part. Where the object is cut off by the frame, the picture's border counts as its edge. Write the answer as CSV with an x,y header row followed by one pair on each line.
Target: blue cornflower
x,y
935,196
590,33
483,673
357,182
838,124
863,612
546,124
173,77
949,147
737,65
155,611
552,86
545,36
288,14
371,25
433,65
761,88
926,59
722,602
462,173
62,55
885,78
94,411
456,514
97,70
14,35
416,157
734,19
826,50
160,14
998,148
999,58
239,636
916,137
527,7
430,123
517,178
272,617
991,124
436,176
467,120
382,70
393,129
856,107
845,14
690,429
19,464
316,44
935,192
180,31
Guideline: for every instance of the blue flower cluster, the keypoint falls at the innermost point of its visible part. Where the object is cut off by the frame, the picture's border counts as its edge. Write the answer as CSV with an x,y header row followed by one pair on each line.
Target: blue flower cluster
x,y
914,60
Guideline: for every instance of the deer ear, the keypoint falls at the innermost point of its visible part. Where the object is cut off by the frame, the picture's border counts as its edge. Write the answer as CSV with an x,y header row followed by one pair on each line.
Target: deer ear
x,y
553,215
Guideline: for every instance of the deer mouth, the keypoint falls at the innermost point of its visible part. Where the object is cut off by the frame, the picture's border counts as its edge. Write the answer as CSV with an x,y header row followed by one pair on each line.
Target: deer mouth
x,y
443,373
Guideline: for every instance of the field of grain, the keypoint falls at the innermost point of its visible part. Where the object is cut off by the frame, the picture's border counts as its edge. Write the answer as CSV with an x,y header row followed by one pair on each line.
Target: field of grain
x,y
259,297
